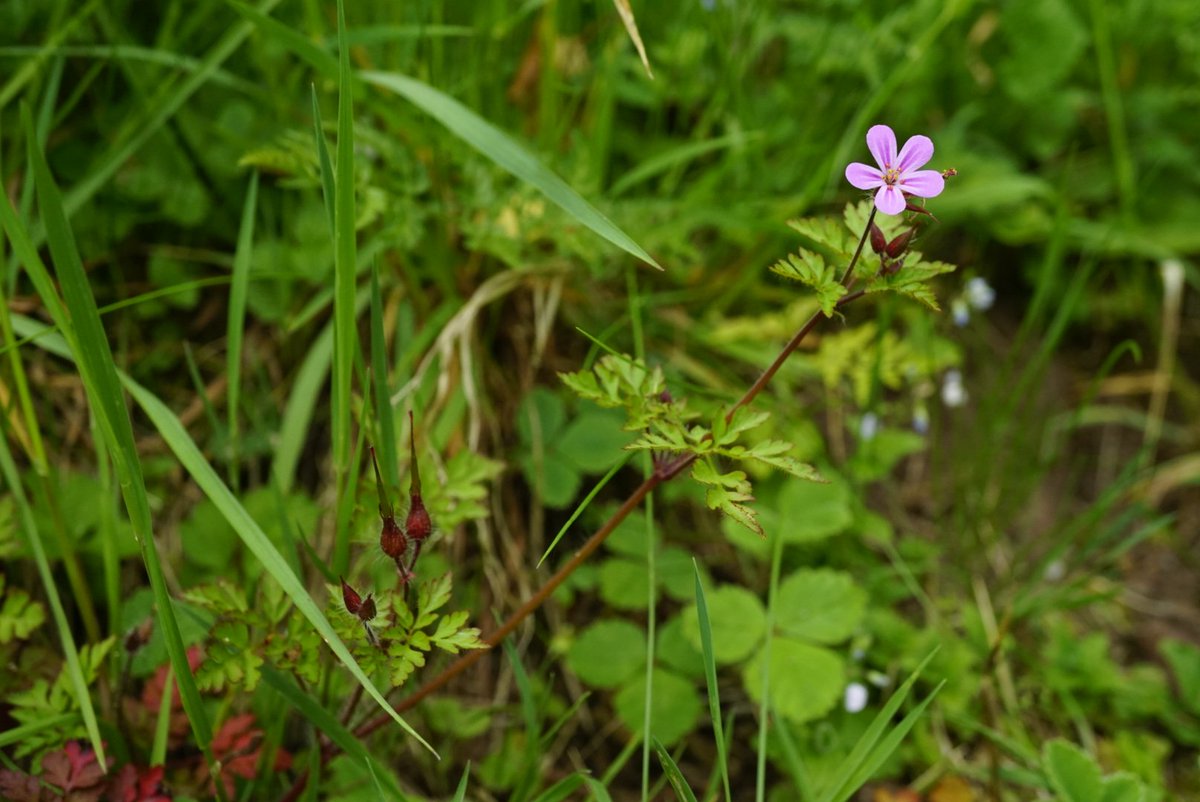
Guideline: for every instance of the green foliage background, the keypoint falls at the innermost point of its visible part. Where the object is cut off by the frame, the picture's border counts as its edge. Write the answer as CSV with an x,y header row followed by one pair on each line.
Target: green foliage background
x,y
1020,534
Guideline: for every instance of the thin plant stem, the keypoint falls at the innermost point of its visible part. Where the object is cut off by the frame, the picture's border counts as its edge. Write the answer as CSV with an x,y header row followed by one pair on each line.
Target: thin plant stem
x,y
664,471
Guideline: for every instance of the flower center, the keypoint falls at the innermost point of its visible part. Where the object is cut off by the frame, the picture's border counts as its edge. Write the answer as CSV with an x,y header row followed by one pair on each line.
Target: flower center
x,y
891,176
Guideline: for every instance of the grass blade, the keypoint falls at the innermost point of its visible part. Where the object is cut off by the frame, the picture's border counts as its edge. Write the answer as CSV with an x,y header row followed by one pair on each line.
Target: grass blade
x,y
237,319
94,360
507,153
345,334
461,793
529,711
883,751
674,776
383,405
866,743
322,720
710,677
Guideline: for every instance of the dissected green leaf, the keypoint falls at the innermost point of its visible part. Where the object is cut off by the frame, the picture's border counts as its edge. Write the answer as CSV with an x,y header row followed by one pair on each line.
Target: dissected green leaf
x,y
726,492
20,615
811,270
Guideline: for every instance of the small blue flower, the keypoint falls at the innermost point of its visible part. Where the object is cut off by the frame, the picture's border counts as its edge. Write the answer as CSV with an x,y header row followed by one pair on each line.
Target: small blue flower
x,y
980,294
960,311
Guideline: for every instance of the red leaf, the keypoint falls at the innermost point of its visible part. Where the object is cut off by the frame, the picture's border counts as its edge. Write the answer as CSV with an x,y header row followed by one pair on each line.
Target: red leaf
x,y
19,787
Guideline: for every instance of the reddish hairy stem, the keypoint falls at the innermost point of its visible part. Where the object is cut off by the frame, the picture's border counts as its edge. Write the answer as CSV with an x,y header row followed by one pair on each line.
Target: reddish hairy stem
x,y
662,473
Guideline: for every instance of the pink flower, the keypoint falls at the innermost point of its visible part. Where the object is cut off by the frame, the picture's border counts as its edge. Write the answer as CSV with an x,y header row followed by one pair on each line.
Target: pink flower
x,y
897,175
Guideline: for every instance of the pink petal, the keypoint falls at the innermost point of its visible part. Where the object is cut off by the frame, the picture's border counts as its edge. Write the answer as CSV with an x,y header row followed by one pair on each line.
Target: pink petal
x,y
922,183
917,152
889,200
882,143
863,176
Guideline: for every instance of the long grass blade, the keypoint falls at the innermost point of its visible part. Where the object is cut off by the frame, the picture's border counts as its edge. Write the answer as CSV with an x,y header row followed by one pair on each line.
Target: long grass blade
x,y
345,333
94,359
507,153
387,445
710,677
236,325
866,743
683,791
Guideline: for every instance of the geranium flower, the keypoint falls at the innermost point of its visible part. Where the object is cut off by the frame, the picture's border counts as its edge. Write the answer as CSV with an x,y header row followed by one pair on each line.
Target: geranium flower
x,y
897,175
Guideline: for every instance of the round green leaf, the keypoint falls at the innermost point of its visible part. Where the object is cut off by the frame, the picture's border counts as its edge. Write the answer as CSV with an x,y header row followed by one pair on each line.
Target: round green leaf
x,y
608,653
811,511
806,681
594,441
820,605
629,538
623,584
545,409
676,574
556,479
674,706
737,619
674,650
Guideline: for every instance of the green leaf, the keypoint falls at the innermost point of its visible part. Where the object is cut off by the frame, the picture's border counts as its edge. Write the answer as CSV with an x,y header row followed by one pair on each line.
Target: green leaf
x,y
810,511
1123,787
20,614
912,280
593,442
737,619
505,152
1184,659
623,583
726,492
811,270
820,605
774,453
608,653
806,681
829,236
674,709
1072,773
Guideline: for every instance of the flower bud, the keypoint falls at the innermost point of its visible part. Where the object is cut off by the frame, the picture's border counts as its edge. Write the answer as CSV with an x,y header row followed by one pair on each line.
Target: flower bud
x,y
392,539
418,524
878,241
913,207
898,245
354,603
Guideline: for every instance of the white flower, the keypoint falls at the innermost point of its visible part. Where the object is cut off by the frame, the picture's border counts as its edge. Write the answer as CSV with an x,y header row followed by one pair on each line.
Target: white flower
x,y
953,392
868,427
980,294
960,311
855,698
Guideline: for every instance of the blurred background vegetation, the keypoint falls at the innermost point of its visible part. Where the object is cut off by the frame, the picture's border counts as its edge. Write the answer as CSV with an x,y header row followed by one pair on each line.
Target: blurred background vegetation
x,y
1014,481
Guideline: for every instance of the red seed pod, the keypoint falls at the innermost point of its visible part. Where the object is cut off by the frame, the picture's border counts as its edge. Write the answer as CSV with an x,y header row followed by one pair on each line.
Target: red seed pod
x,y
367,611
392,540
878,241
898,245
351,598
418,524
